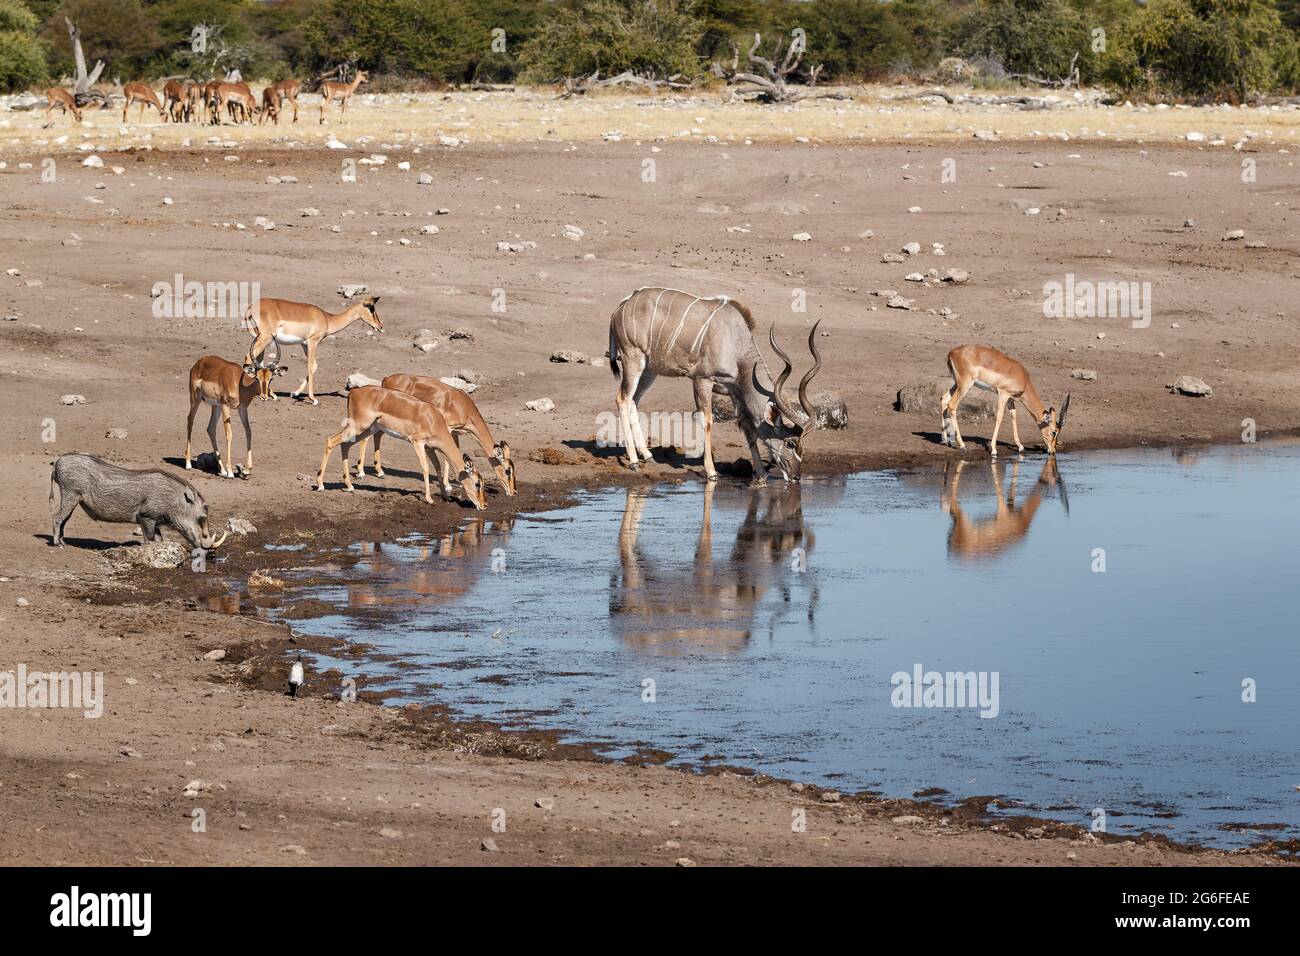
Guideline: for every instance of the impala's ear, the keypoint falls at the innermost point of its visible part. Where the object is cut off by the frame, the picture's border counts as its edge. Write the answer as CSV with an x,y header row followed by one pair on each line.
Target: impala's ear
x,y
469,462
497,454
282,370
372,301
505,451
250,371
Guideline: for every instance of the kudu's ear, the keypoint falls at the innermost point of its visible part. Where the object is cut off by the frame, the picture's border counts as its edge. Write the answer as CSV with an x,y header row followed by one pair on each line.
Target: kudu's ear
x,y
771,415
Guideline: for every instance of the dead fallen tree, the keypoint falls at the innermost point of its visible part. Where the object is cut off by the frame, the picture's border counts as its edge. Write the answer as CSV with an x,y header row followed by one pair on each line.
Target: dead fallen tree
x,y
83,83
768,80
577,87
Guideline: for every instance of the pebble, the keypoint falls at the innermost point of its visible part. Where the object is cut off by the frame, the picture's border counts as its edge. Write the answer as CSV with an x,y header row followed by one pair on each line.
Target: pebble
x,y
540,405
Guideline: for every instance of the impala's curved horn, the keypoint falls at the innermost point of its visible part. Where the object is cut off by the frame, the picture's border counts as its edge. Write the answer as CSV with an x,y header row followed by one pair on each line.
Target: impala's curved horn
x,y
1060,419
777,398
808,408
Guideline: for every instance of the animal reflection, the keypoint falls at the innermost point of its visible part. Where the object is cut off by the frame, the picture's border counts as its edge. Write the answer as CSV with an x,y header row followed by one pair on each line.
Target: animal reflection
x,y
416,575
670,609
976,538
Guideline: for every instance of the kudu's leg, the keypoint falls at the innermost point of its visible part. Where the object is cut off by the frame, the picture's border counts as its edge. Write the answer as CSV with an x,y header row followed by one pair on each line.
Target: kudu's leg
x,y
642,386
629,376
704,405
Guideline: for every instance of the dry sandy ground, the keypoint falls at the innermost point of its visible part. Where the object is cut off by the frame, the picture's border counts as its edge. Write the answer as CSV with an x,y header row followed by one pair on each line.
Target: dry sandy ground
x,y
316,781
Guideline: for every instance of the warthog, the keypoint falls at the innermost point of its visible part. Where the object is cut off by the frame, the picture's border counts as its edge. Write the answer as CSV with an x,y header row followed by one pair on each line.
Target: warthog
x,y
149,498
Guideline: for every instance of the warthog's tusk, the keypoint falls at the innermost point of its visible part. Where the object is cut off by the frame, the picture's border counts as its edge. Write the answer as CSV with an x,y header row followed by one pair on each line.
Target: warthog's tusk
x,y
217,543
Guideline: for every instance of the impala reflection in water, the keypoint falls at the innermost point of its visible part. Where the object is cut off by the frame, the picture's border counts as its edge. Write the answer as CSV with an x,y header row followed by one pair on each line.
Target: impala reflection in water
x,y
771,622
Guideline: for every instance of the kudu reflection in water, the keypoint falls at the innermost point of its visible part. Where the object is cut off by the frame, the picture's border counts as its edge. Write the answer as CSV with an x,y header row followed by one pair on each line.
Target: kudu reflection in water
x,y
1008,524
706,607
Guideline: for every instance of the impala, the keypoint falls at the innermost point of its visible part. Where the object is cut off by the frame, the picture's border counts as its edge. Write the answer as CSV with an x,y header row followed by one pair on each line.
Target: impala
x,y
64,101
212,102
462,417
285,90
238,100
193,100
980,365
270,106
297,323
225,386
340,92
373,409
143,94
710,341
174,100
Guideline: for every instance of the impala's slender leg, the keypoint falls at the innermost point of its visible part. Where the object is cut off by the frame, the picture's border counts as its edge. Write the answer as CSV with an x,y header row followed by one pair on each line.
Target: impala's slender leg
x,y
306,354
424,467
361,461
311,372
997,423
212,435
952,401
189,425
248,438
704,405
643,385
330,444
1015,432
379,468
229,470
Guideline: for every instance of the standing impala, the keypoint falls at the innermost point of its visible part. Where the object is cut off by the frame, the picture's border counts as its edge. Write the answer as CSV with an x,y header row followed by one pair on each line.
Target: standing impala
x,y
710,341
63,100
297,323
238,99
462,417
980,365
225,386
174,100
143,94
340,93
373,410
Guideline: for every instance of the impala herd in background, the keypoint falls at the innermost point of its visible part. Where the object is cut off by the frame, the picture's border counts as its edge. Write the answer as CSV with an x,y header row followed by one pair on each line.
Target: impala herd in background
x,y
213,102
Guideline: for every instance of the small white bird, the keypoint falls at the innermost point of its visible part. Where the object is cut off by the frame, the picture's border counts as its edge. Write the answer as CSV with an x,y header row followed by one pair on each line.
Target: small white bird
x,y
296,676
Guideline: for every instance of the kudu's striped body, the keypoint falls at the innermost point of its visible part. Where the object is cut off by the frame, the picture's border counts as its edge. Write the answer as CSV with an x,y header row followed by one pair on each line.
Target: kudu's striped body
x,y
462,417
668,332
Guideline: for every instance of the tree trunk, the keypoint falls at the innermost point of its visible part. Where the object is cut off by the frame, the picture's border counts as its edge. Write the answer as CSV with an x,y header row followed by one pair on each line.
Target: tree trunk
x,y
82,84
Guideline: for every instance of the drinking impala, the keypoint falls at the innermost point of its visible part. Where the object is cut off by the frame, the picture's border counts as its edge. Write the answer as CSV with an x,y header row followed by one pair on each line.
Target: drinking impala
x,y
462,417
373,409
985,367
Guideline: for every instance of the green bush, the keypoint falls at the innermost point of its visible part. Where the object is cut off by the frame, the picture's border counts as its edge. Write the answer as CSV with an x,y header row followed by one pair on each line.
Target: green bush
x,y
651,37
22,55
1033,37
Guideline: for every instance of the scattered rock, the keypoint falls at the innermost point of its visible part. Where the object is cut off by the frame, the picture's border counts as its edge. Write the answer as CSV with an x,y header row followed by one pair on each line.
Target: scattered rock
x,y
912,249
926,397
801,236
389,833
1190,385
683,861
460,383
425,341
93,162
425,179
240,526
898,302
515,246
956,276
1084,374
351,290
357,380
892,258
73,400
23,602
219,654
117,434
572,232
831,796
540,405
570,355
546,803
488,845
908,820
1233,235
831,410
428,229
150,554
